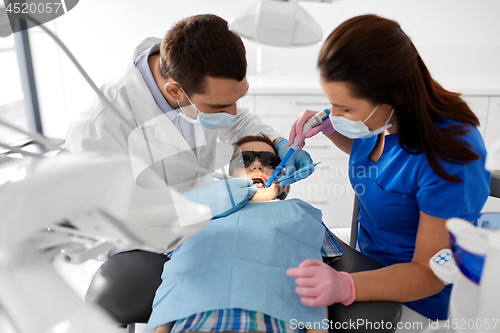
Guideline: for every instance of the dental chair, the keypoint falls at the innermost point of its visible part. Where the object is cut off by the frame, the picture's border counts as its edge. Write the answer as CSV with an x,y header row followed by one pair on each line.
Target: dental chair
x,y
495,184
125,286
126,283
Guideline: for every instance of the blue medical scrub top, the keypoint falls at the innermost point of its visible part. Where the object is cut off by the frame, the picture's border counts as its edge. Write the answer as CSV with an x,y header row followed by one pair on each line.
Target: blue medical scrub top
x,y
392,192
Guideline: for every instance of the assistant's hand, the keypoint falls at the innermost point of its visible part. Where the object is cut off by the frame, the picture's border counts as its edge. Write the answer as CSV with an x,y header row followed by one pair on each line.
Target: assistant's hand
x,y
223,198
298,160
320,285
298,127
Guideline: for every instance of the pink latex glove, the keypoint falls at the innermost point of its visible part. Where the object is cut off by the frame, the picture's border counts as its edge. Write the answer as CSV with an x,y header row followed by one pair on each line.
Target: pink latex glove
x,y
320,285
298,127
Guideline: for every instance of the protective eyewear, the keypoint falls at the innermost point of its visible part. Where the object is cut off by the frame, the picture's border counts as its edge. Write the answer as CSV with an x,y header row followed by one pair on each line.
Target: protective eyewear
x,y
246,158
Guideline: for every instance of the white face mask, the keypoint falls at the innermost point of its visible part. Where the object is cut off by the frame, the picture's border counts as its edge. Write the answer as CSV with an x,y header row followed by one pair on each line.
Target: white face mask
x,y
357,129
206,120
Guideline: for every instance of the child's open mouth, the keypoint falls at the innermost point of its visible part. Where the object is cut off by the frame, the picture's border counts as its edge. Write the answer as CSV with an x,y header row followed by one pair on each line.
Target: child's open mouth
x,y
259,182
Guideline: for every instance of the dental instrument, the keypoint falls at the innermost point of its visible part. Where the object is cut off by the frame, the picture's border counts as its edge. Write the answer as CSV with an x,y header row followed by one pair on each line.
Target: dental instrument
x,y
314,121
304,169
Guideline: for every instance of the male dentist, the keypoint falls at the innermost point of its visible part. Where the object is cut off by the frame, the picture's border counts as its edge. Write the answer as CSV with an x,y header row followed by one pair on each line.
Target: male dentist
x,y
181,93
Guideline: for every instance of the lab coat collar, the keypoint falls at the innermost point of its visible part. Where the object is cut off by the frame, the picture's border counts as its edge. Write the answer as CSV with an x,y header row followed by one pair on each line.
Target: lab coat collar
x,y
142,63
145,45
152,50
144,109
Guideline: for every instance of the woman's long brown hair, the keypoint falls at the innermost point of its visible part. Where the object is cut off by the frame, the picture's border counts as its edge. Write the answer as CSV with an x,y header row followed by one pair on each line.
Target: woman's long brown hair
x,y
380,63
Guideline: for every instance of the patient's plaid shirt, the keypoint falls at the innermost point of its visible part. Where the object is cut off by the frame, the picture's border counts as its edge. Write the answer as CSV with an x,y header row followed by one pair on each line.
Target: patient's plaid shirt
x,y
331,250
233,320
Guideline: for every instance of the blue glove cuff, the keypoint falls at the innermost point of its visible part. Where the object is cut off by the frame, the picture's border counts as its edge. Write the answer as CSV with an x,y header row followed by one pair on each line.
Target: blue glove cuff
x,y
282,148
280,141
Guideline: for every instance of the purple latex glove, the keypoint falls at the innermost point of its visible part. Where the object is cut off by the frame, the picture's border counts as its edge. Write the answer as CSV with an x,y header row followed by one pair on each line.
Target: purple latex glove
x,y
320,285
298,127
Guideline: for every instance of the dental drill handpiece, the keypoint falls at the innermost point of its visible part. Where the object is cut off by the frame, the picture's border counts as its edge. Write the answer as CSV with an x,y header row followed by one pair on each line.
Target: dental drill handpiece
x,y
314,121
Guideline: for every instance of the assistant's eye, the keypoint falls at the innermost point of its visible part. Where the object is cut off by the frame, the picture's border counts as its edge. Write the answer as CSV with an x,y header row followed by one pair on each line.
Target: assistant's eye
x,y
341,110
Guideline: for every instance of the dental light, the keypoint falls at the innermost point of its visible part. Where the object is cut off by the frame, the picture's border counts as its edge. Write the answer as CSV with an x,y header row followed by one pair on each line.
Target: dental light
x,y
278,23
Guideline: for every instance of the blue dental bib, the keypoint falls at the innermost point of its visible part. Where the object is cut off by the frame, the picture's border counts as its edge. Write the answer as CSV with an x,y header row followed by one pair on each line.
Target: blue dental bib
x,y
239,261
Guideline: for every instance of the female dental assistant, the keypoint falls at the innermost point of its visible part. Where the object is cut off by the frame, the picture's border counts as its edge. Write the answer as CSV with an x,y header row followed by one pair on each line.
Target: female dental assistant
x,y
426,160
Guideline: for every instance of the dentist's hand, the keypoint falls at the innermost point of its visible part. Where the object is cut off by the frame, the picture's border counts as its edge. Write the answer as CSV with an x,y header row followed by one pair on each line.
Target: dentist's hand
x,y
320,285
223,198
298,127
298,160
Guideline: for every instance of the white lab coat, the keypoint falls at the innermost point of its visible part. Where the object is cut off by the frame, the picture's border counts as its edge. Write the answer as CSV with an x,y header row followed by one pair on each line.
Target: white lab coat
x,y
97,129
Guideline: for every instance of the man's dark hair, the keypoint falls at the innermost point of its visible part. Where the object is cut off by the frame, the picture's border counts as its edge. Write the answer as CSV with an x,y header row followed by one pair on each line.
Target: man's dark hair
x,y
252,138
201,46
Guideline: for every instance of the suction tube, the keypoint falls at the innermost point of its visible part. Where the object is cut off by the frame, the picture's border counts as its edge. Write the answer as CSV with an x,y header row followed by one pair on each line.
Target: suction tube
x,y
314,121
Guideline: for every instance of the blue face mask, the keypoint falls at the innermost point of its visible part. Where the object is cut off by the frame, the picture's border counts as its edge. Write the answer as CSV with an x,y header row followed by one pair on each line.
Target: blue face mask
x,y
216,120
207,120
357,129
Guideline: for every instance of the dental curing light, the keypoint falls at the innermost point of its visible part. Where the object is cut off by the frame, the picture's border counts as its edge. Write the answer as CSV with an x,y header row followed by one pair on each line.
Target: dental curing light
x,y
314,121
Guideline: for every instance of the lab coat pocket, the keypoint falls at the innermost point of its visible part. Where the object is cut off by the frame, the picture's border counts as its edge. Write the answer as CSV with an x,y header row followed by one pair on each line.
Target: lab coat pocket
x,y
388,210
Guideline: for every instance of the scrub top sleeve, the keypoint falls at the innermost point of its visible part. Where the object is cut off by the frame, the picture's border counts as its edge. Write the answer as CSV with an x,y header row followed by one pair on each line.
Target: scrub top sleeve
x,y
445,199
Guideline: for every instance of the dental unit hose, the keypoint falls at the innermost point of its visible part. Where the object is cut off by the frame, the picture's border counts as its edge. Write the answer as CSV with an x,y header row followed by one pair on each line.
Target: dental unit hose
x,y
314,121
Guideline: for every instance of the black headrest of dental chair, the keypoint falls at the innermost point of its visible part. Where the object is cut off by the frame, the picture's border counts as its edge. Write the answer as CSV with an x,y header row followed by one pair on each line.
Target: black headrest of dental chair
x,y
126,283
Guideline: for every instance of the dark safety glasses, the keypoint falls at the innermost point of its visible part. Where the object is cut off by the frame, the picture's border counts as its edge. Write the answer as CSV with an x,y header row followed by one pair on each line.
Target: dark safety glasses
x,y
267,159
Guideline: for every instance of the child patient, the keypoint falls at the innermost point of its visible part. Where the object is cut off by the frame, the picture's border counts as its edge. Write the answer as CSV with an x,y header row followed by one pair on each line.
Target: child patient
x,y
230,277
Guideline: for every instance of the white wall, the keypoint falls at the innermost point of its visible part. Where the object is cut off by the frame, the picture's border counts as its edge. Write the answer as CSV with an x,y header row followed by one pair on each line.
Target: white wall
x,y
453,37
